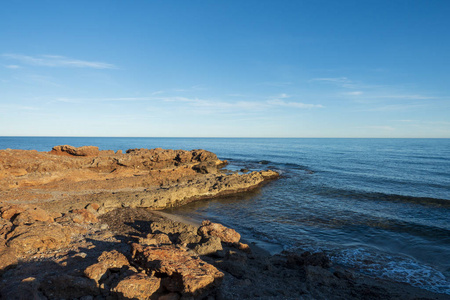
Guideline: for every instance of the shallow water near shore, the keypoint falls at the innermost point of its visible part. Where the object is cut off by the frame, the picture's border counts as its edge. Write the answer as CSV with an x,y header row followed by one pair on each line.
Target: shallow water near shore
x,y
379,206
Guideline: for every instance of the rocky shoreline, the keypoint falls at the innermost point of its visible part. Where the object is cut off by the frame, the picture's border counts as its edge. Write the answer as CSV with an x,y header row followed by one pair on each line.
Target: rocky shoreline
x,y
79,223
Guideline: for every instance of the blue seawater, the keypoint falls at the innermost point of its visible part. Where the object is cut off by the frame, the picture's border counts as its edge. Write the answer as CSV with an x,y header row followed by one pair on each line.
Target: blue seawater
x,y
378,206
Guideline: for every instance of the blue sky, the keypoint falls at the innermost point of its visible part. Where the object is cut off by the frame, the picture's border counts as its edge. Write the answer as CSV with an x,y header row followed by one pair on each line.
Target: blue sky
x,y
225,68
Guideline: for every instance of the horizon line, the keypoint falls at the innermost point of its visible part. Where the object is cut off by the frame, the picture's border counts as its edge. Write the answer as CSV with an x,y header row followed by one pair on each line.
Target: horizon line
x,y
211,137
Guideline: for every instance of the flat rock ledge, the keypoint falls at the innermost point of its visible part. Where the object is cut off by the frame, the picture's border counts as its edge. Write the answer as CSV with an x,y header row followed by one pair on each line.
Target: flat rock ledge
x,y
68,178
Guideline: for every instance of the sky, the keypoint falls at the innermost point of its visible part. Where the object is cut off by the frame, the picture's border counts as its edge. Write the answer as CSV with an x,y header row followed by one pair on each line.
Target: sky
x,y
304,68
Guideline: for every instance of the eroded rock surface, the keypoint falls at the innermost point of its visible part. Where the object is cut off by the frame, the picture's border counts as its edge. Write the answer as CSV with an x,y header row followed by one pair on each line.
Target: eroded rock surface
x,y
181,271
68,178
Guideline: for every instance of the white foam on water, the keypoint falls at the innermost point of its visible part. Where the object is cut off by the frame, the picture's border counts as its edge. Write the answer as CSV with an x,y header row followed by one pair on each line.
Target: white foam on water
x,y
401,269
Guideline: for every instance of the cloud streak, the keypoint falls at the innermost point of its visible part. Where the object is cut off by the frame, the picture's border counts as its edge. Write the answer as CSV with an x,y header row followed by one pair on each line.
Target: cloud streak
x,y
278,101
57,61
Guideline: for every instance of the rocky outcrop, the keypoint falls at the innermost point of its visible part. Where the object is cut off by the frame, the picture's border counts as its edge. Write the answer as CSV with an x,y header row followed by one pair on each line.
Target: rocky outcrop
x,y
137,286
107,262
226,235
205,187
93,264
73,151
181,272
68,178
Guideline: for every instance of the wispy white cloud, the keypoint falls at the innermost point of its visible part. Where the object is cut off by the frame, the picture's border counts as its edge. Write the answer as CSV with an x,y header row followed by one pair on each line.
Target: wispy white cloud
x,y
386,128
406,97
18,107
343,82
332,79
394,107
57,61
193,88
276,83
355,93
12,67
278,101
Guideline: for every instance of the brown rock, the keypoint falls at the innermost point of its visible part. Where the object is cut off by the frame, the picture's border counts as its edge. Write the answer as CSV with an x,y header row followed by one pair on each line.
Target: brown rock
x,y
7,257
5,227
160,238
210,246
183,272
188,238
206,167
243,247
169,227
38,237
31,215
106,261
80,151
227,235
83,216
137,286
93,208
9,211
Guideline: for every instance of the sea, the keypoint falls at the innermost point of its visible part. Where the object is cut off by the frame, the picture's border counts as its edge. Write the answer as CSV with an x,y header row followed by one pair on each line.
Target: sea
x,y
377,206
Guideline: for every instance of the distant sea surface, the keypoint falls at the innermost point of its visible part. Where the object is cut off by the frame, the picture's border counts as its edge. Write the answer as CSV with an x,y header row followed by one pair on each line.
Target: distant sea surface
x,y
378,206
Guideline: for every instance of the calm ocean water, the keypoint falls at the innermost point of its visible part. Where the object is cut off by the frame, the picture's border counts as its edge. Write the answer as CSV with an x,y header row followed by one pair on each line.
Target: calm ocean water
x,y
379,206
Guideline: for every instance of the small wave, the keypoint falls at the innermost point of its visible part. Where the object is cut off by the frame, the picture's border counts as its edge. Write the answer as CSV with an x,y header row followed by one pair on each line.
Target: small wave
x,y
401,269
353,194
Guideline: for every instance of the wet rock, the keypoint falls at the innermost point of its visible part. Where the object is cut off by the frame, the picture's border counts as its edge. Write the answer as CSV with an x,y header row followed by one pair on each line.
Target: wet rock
x,y
309,259
38,237
106,261
209,246
137,286
182,272
226,235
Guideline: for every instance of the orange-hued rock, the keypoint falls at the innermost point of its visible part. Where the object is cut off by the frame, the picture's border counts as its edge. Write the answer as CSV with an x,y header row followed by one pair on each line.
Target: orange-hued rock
x,y
38,237
152,178
25,215
80,151
226,235
7,257
106,261
243,247
137,286
5,227
81,216
9,211
182,271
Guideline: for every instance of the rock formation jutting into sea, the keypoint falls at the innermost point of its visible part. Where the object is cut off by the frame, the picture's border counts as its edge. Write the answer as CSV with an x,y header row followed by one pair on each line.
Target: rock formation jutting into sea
x,y
80,223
